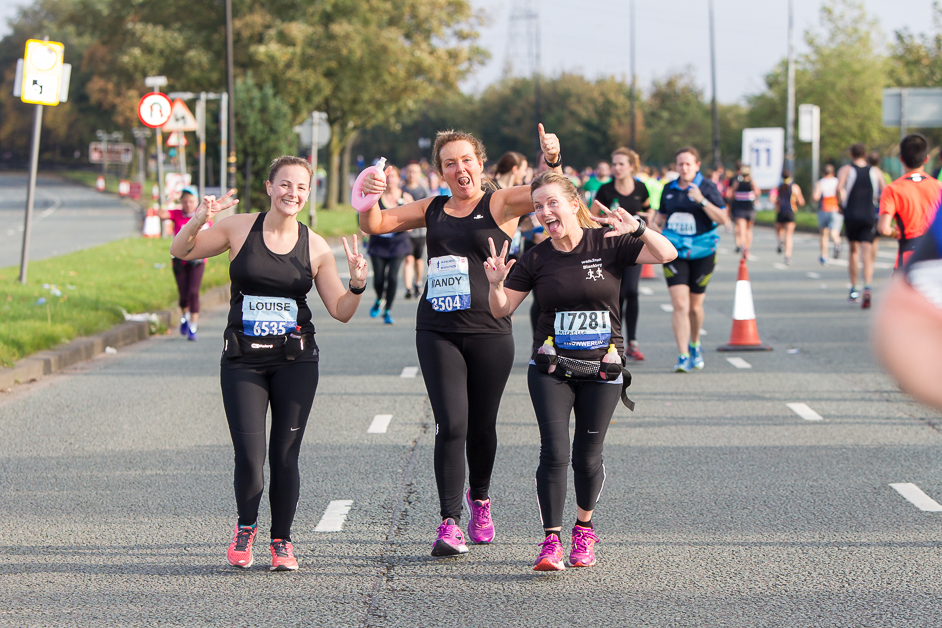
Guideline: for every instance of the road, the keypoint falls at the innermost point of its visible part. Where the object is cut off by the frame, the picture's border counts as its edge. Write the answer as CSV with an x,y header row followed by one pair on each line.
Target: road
x,y
723,506
66,217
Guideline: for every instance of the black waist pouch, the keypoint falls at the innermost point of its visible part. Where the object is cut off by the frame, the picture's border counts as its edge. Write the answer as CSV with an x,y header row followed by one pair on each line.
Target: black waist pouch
x,y
290,346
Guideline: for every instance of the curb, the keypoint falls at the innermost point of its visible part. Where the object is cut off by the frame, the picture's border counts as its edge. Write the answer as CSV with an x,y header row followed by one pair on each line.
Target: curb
x,y
48,362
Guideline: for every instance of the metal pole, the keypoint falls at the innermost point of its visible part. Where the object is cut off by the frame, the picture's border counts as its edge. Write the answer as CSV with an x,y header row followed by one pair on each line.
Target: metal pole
x,y
223,141
716,115
312,207
231,91
160,169
631,25
815,145
790,115
31,190
201,137
902,114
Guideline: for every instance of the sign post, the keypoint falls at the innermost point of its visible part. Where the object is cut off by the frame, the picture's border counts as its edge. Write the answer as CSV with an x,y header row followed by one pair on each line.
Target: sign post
x,y
41,79
314,132
154,111
809,130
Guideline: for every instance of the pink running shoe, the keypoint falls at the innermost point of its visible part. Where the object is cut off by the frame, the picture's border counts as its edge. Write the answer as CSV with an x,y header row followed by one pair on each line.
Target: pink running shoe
x,y
583,547
480,524
282,556
450,541
551,555
240,550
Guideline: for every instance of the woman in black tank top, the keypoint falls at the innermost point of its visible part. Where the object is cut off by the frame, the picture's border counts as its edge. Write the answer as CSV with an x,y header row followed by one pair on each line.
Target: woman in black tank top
x,y
269,356
465,353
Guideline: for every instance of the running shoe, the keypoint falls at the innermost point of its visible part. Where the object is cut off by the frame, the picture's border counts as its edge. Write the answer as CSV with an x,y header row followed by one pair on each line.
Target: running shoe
x,y
836,252
374,311
788,261
240,550
191,334
387,318
696,356
738,250
184,326
780,247
684,365
854,295
634,353
823,260
282,556
551,555
450,541
480,524
408,294
865,302
582,553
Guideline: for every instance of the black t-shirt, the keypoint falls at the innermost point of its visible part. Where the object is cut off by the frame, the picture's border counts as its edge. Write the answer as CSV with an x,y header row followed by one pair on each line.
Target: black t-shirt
x,y
580,285
632,203
455,299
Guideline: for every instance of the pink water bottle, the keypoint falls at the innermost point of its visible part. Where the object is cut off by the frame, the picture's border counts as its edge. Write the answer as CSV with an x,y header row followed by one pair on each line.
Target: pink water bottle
x,y
360,201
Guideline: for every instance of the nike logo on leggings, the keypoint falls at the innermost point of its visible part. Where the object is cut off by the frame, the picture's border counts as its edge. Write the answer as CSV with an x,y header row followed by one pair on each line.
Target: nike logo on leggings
x,y
295,429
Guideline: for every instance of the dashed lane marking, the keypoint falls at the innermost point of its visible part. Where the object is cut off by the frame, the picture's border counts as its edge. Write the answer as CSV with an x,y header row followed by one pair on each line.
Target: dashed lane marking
x,y
379,424
916,497
780,266
802,410
814,275
646,291
334,516
667,307
409,372
739,363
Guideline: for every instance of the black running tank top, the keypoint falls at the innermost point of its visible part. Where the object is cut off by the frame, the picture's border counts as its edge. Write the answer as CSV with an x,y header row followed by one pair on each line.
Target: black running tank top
x,y
258,272
859,205
455,298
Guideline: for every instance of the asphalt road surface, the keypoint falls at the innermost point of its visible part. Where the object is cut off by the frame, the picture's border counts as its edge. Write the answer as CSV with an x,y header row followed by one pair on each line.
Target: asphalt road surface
x,y
723,504
66,217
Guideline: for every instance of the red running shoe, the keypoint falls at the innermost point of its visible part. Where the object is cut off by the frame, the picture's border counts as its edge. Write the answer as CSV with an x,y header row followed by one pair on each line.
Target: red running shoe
x,y
240,550
633,352
282,556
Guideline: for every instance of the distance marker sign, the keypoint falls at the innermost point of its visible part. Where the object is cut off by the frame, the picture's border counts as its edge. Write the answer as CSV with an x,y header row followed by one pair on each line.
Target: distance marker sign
x,y
154,109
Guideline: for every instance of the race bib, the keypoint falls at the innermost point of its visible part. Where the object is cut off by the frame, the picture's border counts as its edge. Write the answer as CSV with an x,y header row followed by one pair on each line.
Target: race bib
x,y
582,330
449,286
682,223
268,316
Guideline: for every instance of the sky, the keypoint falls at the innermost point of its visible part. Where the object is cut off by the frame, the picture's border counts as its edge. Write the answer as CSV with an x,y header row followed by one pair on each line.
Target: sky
x,y
591,37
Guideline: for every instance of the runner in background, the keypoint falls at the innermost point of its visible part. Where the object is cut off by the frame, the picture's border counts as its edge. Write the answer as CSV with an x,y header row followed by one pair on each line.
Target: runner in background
x,y
387,251
655,187
626,192
601,176
857,186
909,204
188,274
414,267
830,219
788,197
742,192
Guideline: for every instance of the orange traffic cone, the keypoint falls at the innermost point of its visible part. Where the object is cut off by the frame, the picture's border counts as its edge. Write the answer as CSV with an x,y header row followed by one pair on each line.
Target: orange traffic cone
x,y
745,334
151,224
647,272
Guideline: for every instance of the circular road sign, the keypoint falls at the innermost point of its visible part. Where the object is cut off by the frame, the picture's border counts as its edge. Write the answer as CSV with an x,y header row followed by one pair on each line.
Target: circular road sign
x,y
154,109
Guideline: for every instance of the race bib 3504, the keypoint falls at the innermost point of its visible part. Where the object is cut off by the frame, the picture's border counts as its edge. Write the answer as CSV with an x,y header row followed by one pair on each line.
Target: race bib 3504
x,y
449,286
582,330
268,316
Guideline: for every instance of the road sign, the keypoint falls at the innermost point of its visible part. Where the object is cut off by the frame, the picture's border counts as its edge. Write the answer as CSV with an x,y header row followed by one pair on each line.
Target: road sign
x,y
174,139
912,107
135,191
42,72
124,187
110,153
763,150
181,118
174,182
306,129
154,110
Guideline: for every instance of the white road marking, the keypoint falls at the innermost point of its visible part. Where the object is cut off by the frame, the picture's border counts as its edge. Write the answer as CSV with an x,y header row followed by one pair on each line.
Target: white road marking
x,y
380,424
780,266
667,307
886,255
409,372
916,497
646,291
814,275
882,266
739,363
839,262
802,410
703,332
334,516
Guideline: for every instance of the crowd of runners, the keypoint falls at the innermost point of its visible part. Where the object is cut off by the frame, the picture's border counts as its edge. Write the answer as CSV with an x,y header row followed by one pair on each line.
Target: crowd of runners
x,y
492,237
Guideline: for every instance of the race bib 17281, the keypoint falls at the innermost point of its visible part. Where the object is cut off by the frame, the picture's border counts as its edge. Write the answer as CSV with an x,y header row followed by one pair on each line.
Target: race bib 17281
x,y
449,287
268,316
682,223
582,330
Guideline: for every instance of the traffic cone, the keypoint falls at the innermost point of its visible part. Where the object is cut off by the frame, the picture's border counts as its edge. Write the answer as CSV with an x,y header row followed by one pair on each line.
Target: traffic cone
x,y
151,224
647,271
744,335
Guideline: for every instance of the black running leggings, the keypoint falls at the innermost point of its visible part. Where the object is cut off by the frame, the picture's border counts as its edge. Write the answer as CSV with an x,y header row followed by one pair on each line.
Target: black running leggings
x,y
465,375
386,278
246,394
189,276
629,301
554,400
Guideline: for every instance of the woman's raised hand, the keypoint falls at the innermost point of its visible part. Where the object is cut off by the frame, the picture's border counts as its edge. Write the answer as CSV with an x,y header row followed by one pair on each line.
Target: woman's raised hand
x,y
620,221
376,183
212,206
356,262
494,266
549,144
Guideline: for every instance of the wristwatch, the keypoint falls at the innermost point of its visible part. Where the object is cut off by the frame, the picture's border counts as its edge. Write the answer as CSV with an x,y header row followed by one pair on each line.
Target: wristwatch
x,y
556,164
704,202
353,290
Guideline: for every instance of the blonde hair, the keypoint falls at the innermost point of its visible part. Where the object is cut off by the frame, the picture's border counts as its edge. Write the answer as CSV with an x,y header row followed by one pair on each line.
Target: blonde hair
x,y
447,137
633,160
550,177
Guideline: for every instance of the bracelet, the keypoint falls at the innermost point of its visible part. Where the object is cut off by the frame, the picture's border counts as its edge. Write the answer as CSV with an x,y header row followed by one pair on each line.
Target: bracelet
x,y
359,290
556,164
640,230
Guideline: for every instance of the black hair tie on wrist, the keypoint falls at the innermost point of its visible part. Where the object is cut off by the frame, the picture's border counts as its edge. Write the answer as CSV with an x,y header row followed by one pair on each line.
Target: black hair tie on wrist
x,y
556,164
359,290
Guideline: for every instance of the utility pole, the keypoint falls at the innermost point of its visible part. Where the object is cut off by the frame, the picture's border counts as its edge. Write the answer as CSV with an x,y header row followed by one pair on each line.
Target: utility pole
x,y
790,114
525,17
631,95
716,116
230,89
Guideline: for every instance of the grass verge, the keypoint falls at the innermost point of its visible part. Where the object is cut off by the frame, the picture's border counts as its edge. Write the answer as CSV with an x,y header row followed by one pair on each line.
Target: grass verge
x,y
83,293
804,221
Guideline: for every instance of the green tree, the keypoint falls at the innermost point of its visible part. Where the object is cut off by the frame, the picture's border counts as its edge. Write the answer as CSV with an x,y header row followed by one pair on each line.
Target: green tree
x,y
677,115
916,60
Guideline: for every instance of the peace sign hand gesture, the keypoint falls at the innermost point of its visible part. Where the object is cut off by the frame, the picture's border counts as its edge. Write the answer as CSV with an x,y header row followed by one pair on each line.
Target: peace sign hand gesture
x,y
494,266
212,206
620,221
357,264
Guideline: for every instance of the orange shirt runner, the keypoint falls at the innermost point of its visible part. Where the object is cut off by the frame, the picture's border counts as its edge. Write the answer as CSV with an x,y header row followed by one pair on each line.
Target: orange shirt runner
x,y
911,201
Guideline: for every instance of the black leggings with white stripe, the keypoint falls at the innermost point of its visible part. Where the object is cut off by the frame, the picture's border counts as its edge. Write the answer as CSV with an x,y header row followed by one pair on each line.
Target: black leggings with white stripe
x,y
554,401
